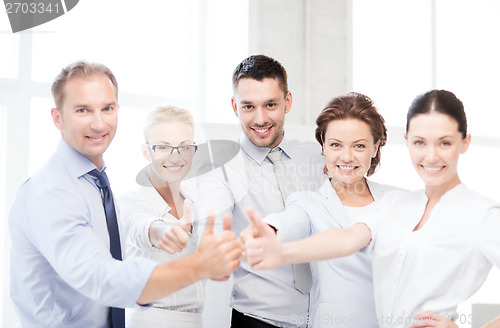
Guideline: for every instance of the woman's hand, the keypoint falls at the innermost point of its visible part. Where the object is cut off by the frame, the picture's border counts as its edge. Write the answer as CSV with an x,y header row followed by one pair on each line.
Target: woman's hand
x,y
172,239
262,248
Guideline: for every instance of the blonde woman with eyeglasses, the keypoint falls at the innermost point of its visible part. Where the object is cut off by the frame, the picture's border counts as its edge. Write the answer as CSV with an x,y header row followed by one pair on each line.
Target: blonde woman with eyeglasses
x,y
158,215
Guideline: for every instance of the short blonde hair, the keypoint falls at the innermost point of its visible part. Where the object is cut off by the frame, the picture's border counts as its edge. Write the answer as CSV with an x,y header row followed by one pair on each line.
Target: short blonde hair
x,y
168,113
81,69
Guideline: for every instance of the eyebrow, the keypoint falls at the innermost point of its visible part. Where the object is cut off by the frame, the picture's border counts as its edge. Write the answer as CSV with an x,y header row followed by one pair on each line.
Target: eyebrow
x,y
441,138
181,143
85,105
245,102
334,139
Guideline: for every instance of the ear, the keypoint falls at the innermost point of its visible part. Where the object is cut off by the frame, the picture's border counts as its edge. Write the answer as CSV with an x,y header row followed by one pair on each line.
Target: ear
x,y
288,102
146,153
56,117
377,148
235,106
466,143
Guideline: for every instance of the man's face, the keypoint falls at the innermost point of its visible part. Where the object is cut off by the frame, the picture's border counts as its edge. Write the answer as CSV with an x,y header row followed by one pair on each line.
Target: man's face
x,y
88,117
261,107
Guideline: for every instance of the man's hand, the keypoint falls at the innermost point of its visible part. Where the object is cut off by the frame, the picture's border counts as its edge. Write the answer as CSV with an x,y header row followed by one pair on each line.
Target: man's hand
x,y
262,247
218,255
174,239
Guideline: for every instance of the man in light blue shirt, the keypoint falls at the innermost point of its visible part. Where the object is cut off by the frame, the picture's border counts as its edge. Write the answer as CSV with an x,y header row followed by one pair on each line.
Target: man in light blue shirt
x,y
62,271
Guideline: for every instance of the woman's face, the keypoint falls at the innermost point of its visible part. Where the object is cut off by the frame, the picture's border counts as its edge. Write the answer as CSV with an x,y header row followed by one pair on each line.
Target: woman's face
x,y
170,165
349,148
435,144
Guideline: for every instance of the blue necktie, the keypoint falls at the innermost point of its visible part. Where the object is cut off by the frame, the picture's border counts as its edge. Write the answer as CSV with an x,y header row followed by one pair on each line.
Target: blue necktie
x,y
116,315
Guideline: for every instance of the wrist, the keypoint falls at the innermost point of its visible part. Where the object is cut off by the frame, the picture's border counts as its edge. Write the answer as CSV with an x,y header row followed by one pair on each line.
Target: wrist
x,y
287,255
157,231
198,266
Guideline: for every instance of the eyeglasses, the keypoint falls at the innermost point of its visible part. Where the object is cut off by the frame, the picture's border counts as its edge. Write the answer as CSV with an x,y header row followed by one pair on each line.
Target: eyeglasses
x,y
169,150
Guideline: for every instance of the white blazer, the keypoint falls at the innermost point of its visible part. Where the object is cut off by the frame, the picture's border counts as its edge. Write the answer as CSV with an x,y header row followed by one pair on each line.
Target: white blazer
x,y
342,292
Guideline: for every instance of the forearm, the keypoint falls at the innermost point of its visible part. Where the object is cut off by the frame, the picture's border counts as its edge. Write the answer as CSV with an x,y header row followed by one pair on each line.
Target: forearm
x,y
169,277
328,244
493,324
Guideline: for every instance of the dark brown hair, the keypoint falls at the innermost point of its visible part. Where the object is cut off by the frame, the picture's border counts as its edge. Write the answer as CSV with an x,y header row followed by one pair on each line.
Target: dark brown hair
x,y
259,67
354,106
441,101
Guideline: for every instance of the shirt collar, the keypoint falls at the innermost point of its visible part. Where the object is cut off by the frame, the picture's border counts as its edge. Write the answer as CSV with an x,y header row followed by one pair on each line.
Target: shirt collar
x,y
148,188
76,163
328,191
259,154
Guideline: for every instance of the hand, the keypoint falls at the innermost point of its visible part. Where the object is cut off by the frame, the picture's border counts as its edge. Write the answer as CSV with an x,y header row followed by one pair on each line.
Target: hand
x,y
218,254
249,233
431,319
175,239
262,247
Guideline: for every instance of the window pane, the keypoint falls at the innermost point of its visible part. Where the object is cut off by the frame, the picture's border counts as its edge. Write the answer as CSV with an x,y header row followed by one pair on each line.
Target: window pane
x,y
467,59
9,43
43,134
147,44
227,46
124,157
392,53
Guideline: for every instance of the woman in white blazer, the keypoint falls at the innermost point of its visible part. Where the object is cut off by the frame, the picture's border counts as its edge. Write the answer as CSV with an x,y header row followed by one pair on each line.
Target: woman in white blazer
x,y
159,226
432,248
351,133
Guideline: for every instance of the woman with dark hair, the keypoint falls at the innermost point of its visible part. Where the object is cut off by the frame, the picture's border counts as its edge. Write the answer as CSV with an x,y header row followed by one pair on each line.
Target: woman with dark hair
x,y
432,248
351,133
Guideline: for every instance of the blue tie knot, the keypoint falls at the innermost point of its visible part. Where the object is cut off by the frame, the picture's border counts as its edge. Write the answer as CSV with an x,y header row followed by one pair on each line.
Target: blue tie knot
x,y
101,176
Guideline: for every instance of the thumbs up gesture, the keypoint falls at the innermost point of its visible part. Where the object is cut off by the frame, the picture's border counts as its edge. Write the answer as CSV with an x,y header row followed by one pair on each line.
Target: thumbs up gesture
x,y
173,239
262,247
218,254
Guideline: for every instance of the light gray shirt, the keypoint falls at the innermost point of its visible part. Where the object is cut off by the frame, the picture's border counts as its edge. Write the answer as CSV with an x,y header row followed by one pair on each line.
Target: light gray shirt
x,y
249,180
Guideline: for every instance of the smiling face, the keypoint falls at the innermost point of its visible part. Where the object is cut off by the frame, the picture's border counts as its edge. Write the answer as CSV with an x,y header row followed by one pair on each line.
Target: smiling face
x,y
88,117
261,107
171,168
349,148
435,145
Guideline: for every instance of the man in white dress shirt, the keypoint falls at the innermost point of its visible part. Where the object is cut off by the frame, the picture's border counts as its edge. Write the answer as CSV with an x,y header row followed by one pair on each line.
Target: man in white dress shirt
x,y
261,101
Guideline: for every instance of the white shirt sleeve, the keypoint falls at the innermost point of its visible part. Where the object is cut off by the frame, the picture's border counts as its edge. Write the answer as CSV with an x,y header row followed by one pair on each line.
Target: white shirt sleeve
x,y
372,219
488,236
293,223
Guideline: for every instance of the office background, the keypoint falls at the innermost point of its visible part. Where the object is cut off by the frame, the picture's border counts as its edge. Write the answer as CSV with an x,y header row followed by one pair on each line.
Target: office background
x,y
183,53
